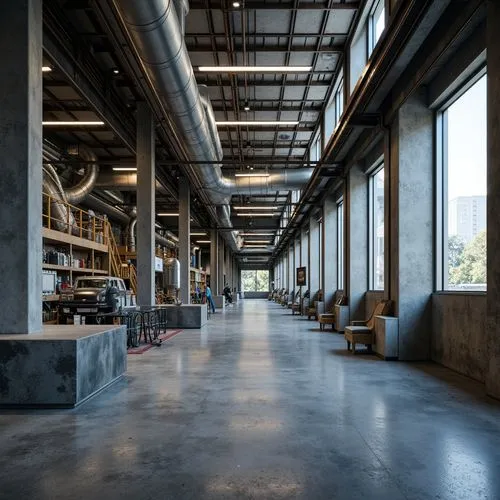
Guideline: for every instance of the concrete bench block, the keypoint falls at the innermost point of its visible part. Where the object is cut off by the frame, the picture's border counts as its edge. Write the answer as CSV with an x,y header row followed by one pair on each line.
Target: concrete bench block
x,y
219,301
387,337
186,315
62,366
341,317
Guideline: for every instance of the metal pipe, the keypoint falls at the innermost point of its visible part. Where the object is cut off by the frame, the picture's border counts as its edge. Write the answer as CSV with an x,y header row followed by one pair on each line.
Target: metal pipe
x,y
77,193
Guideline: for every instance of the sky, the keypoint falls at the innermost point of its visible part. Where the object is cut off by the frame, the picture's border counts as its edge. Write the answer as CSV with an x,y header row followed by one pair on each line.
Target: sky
x,y
467,143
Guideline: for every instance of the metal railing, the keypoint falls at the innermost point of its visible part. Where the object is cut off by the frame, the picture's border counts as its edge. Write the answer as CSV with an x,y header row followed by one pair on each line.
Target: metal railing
x,y
77,222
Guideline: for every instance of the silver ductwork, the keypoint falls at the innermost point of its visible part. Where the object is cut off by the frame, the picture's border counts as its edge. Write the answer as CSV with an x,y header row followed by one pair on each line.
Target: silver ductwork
x,y
156,28
77,193
171,241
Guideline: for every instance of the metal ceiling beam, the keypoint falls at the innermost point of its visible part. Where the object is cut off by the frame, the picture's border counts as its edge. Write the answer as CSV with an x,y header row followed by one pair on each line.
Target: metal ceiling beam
x,y
333,49
248,5
82,76
221,36
255,106
225,82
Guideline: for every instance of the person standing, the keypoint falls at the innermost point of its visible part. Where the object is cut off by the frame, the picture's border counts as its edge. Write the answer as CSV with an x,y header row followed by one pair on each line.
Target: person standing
x,y
208,294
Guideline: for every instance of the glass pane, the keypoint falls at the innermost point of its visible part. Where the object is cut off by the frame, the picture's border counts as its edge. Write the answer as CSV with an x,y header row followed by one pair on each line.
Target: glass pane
x,y
465,236
378,230
256,281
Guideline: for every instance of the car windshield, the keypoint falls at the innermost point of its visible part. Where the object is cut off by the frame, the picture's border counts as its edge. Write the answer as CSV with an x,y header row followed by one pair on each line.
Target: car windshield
x,y
91,283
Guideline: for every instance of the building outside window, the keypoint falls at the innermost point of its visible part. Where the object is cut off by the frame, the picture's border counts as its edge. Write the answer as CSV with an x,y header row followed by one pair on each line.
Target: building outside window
x,y
376,24
377,229
340,245
462,205
258,281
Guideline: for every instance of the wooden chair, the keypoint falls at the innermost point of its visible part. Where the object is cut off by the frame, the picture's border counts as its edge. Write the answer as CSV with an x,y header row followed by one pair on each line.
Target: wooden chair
x,y
362,332
329,318
311,310
291,298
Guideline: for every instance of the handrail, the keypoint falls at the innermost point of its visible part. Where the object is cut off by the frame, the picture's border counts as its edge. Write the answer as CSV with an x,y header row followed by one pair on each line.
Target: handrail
x,y
78,222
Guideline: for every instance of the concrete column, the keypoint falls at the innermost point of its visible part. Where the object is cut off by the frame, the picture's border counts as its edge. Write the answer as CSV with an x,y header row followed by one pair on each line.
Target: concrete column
x,y
493,218
291,267
220,266
145,206
356,238
314,255
304,257
297,255
330,278
184,239
409,212
21,166
214,262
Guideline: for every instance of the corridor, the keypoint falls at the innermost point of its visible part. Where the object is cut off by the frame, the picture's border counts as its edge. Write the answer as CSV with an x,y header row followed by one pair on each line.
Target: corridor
x,y
260,404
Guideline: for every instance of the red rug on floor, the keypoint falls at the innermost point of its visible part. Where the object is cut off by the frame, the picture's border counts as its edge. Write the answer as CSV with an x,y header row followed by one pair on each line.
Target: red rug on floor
x,y
146,347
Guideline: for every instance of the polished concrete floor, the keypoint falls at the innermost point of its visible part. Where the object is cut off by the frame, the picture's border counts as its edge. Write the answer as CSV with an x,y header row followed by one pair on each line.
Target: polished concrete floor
x,y
260,404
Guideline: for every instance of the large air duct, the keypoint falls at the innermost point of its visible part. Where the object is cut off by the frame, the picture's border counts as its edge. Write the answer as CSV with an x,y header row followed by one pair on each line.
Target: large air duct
x,y
158,35
77,193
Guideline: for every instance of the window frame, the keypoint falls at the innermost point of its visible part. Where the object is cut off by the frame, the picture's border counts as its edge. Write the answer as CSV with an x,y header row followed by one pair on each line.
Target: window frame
x,y
441,181
377,168
372,43
340,244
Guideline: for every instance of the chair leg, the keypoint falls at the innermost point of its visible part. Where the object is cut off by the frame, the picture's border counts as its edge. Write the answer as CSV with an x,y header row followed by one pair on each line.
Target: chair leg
x,y
353,348
348,346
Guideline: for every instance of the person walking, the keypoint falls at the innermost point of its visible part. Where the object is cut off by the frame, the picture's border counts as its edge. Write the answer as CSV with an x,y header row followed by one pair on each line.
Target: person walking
x,y
210,301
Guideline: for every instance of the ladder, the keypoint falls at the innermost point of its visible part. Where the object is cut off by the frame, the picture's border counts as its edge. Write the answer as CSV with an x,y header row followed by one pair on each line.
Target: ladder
x,y
119,267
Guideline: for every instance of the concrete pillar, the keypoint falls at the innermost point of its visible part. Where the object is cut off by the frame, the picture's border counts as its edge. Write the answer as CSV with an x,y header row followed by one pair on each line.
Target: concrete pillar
x,y
21,166
409,216
356,238
184,239
291,267
304,256
220,266
330,257
314,255
214,262
145,206
493,218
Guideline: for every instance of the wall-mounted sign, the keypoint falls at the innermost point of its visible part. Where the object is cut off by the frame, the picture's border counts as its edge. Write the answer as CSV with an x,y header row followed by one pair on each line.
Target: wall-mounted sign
x,y
158,264
301,276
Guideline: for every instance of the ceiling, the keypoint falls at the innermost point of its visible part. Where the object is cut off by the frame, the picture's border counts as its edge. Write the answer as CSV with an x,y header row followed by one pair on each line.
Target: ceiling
x,y
94,77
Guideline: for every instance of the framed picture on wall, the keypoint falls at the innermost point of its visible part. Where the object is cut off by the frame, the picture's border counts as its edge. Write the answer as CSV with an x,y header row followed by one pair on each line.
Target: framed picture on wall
x,y
301,276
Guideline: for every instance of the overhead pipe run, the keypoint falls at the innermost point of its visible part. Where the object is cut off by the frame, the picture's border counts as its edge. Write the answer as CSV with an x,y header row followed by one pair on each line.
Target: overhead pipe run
x,y
156,29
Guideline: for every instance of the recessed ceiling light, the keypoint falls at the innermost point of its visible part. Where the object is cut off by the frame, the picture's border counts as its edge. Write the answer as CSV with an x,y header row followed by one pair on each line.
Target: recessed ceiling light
x,y
256,208
246,107
256,241
256,234
255,69
203,241
167,214
236,5
46,69
116,71
125,169
198,234
244,123
256,174
72,124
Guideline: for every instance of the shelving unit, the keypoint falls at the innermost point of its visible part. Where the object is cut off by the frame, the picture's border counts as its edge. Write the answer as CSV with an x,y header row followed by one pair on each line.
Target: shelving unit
x,y
198,278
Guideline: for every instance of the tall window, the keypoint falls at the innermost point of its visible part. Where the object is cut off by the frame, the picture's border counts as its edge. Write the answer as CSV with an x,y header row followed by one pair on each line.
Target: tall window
x,y
377,229
340,245
334,109
258,281
376,24
462,207
339,101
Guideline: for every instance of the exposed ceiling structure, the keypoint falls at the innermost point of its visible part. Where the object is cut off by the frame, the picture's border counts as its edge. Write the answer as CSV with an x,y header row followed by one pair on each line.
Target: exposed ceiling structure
x,y
94,75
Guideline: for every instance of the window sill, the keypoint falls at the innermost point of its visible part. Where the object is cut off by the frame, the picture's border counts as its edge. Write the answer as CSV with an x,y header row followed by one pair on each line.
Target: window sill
x,y
459,292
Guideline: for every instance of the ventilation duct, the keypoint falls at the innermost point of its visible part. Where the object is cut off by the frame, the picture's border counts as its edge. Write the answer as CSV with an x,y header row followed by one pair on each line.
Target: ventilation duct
x,y
157,32
77,193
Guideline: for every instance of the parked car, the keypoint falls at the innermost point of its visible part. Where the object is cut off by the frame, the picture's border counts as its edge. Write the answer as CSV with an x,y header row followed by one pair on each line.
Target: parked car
x,y
92,295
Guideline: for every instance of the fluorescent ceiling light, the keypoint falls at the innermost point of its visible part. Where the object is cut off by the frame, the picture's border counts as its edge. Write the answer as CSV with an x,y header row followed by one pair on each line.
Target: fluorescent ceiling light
x,y
246,123
257,246
261,174
198,234
255,214
72,124
236,5
125,169
46,69
168,214
256,208
256,241
256,234
203,241
255,69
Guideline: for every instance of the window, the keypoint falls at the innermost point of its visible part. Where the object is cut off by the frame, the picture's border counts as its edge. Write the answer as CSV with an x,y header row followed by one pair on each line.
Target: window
x,y
461,129
334,109
258,281
376,25
376,200
339,102
315,153
340,245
